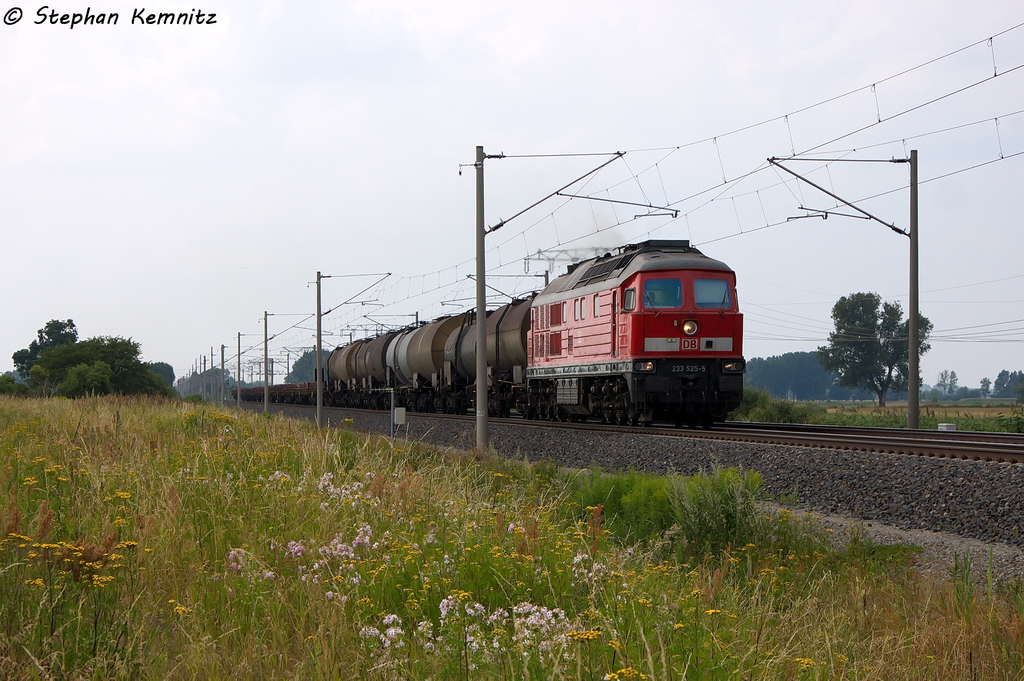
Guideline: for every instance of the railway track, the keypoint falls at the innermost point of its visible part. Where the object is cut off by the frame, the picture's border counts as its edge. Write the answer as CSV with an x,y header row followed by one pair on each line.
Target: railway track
x,y
966,445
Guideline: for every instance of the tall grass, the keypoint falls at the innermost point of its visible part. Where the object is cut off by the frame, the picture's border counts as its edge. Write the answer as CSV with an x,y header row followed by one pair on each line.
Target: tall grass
x,y
149,539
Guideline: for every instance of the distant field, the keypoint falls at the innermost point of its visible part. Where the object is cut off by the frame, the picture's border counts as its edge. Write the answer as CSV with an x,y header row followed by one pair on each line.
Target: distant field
x,y
979,415
962,409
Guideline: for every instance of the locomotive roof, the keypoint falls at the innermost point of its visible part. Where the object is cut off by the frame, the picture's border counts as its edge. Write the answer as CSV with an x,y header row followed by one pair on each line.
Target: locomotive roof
x,y
610,269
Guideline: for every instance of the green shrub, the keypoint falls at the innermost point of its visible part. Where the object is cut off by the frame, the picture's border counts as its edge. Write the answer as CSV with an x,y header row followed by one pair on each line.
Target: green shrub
x,y
694,516
635,506
717,509
759,406
1014,423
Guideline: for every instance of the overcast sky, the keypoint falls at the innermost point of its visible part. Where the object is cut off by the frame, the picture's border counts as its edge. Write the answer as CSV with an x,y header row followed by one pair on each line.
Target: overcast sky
x,y
169,183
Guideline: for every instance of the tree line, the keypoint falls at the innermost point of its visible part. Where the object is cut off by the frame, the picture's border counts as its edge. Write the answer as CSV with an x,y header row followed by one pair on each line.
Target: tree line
x,y
57,363
800,376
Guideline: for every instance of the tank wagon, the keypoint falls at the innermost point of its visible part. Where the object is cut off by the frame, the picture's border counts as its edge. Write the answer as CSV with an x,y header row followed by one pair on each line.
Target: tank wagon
x,y
650,333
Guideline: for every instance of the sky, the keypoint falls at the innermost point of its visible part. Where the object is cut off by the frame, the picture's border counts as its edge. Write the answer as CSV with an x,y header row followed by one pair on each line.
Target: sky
x,y
171,183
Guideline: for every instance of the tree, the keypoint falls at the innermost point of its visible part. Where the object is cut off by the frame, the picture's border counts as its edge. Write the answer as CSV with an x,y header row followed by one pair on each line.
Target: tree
x,y
164,371
302,368
986,387
948,381
869,348
1006,382
53,334
9,386
97,366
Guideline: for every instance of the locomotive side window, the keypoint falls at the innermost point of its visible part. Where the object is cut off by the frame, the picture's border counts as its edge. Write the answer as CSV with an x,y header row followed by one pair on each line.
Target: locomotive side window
x,y
663,293
556,313
582,304
597,306
556,343
712,293
629,300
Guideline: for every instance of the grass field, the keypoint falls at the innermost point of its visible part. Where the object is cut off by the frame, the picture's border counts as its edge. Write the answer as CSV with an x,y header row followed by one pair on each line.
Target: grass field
x,y
994,416
963,409
158,539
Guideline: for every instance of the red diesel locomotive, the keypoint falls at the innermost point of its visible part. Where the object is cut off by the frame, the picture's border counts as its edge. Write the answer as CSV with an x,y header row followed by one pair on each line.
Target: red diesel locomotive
x,y
651,333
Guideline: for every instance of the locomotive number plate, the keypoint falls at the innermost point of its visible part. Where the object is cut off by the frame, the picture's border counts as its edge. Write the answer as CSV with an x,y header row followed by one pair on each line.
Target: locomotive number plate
x,y
689,368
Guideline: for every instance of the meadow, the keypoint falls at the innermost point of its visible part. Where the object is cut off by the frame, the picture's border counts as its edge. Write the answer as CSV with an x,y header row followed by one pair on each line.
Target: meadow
x,y
150,538
1000,416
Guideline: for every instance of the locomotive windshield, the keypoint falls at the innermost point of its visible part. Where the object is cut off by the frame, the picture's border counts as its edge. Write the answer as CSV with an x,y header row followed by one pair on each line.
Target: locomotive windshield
x,y
712,293
663,293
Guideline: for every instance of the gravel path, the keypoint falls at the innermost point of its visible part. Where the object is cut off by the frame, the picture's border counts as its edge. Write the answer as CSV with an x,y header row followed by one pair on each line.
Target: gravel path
x,y
942,505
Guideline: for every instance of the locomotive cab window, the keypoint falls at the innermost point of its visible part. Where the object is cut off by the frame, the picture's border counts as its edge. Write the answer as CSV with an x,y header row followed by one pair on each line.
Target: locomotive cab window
x,y
628,300
712,293
663,293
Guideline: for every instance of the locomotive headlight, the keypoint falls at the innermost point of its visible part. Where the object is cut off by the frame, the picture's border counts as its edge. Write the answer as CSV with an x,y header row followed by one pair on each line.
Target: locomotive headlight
x,y
643,366
689,327
734,366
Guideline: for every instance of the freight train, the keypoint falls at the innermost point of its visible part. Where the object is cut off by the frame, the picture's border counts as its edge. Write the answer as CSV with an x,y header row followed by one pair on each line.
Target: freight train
x,y
650,333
